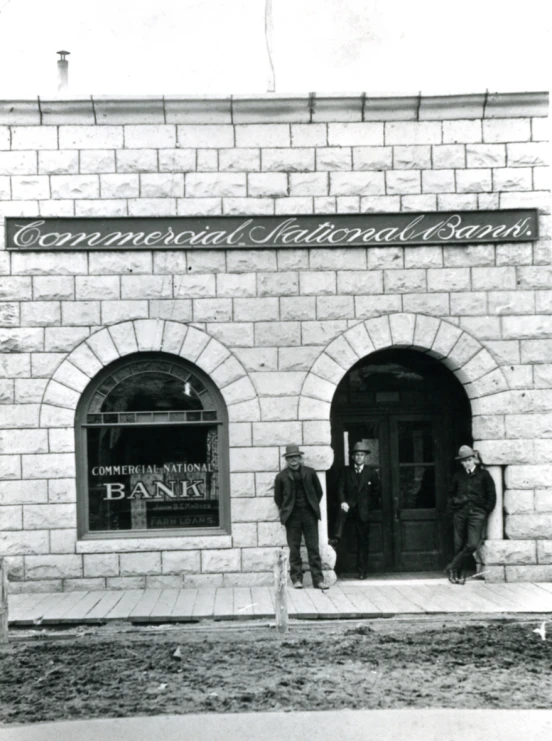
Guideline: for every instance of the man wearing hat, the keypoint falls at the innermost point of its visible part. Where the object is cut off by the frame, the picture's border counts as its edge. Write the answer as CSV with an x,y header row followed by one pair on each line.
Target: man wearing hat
x,y
472,499
358,490
297,493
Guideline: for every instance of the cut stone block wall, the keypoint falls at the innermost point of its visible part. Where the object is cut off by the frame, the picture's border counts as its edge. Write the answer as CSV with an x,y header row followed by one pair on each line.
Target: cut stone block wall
x,y
276,329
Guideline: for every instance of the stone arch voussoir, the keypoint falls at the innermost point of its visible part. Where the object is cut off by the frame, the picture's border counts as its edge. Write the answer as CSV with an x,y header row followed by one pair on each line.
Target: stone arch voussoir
x,y
63,391
461,352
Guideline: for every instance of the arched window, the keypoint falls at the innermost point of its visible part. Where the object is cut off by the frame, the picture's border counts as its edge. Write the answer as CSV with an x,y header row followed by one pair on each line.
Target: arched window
x,y
152,450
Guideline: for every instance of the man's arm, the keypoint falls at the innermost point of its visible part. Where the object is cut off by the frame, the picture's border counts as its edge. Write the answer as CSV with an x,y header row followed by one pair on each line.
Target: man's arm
x,y
490,490
341,490
317,485
375,494
451,494
341,487
278,491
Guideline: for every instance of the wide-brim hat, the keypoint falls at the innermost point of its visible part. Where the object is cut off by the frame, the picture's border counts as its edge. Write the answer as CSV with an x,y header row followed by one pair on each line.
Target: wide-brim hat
x,y
360,448
464,452
292,450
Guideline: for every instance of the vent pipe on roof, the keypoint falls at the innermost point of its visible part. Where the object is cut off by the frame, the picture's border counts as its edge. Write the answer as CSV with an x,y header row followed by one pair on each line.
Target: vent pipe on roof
x,y
63,71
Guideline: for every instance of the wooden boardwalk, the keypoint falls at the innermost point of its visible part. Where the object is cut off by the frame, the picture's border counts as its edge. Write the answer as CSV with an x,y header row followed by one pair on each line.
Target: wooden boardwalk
x,y
343,600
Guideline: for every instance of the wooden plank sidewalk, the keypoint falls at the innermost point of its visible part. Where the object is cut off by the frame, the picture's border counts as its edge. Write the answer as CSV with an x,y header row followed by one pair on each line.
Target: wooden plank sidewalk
x,y
346,599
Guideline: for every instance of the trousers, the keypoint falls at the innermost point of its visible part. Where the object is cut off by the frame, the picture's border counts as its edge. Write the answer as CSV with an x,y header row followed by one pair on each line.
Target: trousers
x,y
363,532
469,529
362,529
303,522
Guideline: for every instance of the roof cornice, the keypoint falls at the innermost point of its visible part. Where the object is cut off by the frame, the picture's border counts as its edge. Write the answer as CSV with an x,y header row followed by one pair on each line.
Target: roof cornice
x,y
270,108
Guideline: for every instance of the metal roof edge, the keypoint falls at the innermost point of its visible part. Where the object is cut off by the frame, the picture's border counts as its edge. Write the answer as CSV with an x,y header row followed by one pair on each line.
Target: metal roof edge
x,y
270,108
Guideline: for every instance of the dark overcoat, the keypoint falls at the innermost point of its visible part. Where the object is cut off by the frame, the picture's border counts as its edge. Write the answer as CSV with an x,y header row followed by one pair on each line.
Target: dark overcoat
x,y
284,491
359,492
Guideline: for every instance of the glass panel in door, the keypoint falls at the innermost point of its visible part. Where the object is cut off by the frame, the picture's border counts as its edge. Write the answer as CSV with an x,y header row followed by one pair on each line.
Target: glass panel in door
x,y
416,526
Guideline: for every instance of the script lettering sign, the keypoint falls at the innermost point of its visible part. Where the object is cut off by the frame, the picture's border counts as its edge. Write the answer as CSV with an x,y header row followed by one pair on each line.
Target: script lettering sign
x,y
258,232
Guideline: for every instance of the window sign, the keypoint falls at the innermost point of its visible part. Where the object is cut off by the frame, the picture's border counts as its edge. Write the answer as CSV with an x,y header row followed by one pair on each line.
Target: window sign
x,y
153,433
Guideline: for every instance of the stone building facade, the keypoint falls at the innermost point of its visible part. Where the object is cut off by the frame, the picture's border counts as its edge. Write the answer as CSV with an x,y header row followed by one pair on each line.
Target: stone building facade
x,y
275,330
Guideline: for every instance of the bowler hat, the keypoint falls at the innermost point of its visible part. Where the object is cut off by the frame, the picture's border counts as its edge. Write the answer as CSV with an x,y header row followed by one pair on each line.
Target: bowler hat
x,y
464,452
292,450
360,448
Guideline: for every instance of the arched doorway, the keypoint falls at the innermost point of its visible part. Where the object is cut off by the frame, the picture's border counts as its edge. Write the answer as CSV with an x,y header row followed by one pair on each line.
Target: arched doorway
x,y
413,413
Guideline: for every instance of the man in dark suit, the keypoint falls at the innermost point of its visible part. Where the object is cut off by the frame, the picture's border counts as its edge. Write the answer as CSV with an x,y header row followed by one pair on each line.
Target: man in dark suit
x,y
358,490
297,493
472,499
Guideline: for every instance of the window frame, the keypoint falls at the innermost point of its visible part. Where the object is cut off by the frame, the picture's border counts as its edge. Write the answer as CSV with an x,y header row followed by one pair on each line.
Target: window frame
x,y
81,452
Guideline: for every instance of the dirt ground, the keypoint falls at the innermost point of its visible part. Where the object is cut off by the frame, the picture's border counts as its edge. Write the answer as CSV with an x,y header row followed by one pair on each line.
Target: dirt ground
x,y
119,671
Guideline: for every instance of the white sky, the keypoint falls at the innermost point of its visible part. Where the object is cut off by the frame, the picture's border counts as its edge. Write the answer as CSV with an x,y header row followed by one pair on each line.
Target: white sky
x,y
218,46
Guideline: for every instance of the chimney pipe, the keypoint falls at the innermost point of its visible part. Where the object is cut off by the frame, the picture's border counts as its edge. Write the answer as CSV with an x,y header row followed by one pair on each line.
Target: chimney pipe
x,y
63,71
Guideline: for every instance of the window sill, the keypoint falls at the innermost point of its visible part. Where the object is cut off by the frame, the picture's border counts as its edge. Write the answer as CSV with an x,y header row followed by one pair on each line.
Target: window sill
x,y
149,541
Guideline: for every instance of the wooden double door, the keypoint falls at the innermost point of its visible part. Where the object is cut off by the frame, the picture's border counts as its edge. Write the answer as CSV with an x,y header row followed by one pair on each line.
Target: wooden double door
x,y
408,530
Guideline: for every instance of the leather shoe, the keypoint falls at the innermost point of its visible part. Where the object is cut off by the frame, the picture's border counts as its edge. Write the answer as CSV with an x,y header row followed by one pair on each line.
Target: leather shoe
x,y
321,585
298,585
452,576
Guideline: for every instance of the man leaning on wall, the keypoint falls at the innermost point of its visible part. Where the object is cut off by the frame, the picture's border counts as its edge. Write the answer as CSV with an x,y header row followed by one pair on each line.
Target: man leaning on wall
x,y
472,499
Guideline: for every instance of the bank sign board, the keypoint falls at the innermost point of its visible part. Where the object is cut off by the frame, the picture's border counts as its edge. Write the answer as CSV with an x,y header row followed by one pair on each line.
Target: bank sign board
x,y
258,232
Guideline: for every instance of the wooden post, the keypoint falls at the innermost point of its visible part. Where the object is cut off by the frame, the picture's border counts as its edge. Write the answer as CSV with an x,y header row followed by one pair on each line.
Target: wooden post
x,y
3,601
280,590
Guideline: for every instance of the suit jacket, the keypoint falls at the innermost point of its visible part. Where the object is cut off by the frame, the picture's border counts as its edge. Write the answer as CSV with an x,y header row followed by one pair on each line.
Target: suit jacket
x,y
284,491
359,492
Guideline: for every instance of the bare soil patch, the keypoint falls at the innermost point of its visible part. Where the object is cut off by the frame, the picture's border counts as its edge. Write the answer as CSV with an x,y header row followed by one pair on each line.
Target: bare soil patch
x,y
105,673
